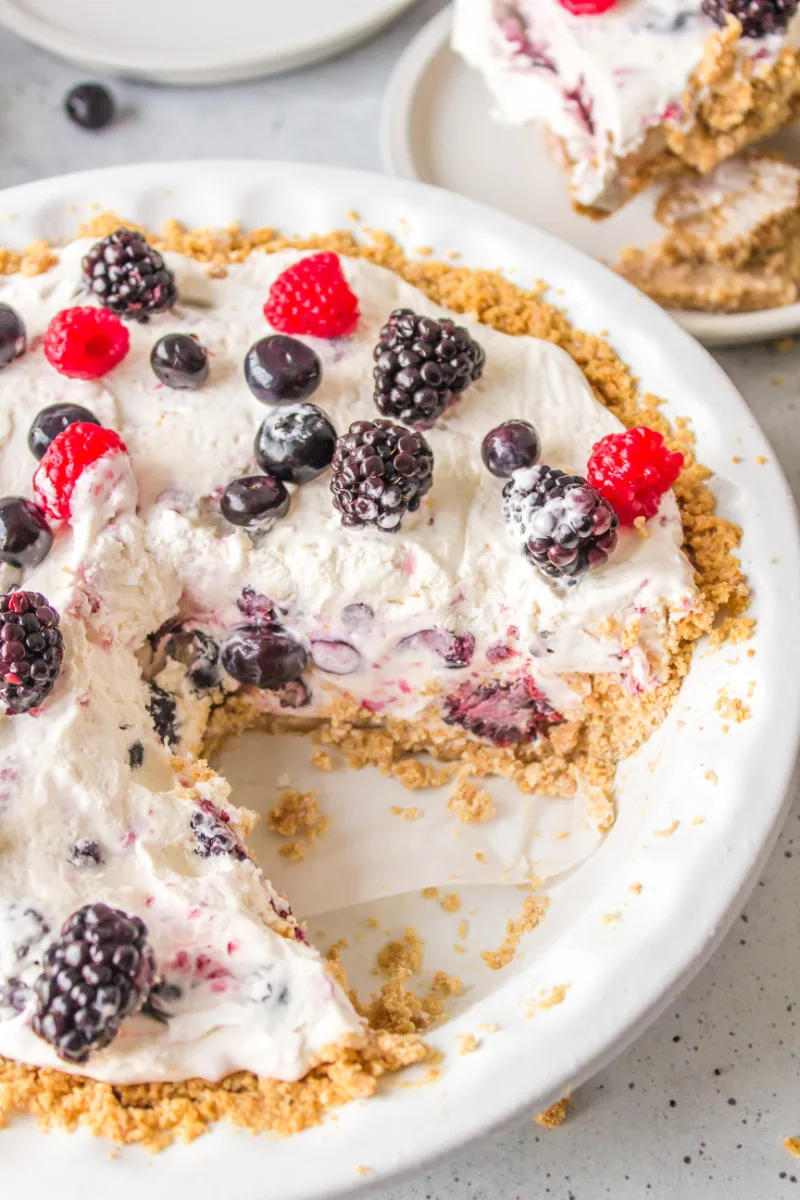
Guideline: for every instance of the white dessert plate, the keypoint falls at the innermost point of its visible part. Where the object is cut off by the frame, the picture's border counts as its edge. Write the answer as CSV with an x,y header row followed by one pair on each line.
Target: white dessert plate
x,y
699,806
196,41
437,127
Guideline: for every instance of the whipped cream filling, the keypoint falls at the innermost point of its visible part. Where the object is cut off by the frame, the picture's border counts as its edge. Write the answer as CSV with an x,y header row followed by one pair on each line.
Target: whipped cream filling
x,y
600,83
147,545
733,202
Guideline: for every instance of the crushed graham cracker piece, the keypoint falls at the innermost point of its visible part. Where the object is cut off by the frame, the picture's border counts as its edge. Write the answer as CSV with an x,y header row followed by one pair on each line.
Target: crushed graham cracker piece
x,y
668,832
430,893
711,776
463,928
408,814
297,813
294,851
321,760
636,888
610,918
471,804
469,1043
555,1115
550,997
451,903
533,911
792,1144
731,708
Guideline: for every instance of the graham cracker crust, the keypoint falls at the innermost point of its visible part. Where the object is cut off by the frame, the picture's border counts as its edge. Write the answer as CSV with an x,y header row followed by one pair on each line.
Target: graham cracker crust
x,y
154,1115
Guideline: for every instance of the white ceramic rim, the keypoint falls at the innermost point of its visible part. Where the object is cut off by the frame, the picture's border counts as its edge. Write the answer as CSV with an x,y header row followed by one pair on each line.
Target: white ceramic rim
x,y
397,152
160,66
640,969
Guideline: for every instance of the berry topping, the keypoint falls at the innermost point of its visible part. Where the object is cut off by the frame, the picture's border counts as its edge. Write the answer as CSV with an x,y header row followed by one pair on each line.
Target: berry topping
x,y
213,835
12,335
52,421
255,502
357,616
86,854
313,297
505,713
510,446
295,443
128,276
180,361
334,656
162,709
633,470
31,650
13,998
263,656
80,446
454,649
85,343
587,8
89,105
25,537
758,18
421,365
281,370
563,524
196,651
97,973
380,472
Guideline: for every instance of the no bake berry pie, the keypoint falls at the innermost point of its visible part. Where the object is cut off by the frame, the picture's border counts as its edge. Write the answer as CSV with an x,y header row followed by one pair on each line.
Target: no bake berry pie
x,y
634,90
291,489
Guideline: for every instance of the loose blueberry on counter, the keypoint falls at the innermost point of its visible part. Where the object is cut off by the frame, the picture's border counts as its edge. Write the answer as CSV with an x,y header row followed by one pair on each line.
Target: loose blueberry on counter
x,y
334,656
509,447
25,537
89,105
263,656
281,370
180,361
13,340
255,502
295,443
50,421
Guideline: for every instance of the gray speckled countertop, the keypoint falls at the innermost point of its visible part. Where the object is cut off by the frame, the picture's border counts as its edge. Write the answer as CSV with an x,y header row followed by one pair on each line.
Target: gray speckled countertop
x,y
700,1104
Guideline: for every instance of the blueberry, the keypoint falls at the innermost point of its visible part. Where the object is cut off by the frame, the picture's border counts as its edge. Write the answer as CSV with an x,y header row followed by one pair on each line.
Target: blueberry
x,y
53,420
334,656
89,105
255,502
86,854
263,656
357,616
199,653
281,370
180,361
162,709
25,537
12,335
510,446
295,443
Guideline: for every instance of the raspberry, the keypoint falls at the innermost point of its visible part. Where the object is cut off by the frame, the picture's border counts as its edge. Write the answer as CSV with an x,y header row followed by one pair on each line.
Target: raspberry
x,y
633,470
85,343
78,447
756,17
313,297
587,8
99,971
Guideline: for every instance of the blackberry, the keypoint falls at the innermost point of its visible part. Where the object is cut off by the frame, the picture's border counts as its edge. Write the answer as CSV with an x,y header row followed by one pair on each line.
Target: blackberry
x,y
162,709
31,650
97,973
563,524
135,755
213,834
380,472
504,713
86,854
758,18
421,364
129,276
13,998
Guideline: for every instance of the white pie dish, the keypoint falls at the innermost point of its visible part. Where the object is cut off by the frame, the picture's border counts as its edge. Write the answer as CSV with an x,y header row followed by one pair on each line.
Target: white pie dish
x,y
437,127
193,43
620,974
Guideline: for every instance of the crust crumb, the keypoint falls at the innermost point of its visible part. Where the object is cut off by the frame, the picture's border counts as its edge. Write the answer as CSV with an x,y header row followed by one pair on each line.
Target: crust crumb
x,y
471,804
408,814
636,888
730,708
711,776
469,1043
533,911
555,1115
321,760
792,1144
451,903
668,832
297,813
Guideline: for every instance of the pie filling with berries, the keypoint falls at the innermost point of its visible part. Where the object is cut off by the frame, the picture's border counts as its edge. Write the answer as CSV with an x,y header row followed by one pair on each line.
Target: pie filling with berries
x,y
290,490
632,90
